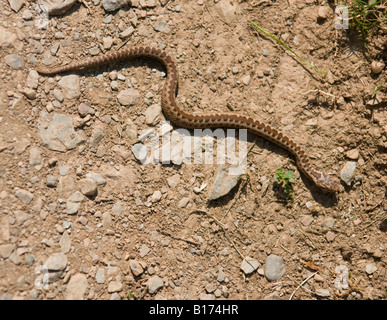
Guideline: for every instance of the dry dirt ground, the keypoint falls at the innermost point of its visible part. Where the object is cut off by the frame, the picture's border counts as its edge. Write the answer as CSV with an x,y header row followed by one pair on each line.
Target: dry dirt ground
x,y
150,232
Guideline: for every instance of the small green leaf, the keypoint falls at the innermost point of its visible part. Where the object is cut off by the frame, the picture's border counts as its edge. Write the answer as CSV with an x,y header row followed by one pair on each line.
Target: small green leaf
x,y
289,176
376,89
285,179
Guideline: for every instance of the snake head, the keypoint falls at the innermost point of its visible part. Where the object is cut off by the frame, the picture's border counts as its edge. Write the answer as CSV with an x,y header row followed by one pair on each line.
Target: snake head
x,y
328,183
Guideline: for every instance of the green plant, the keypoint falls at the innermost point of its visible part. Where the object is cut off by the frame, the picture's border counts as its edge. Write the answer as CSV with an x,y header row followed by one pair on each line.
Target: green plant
x,y
130,295
287,48
376,89
367,16
285,179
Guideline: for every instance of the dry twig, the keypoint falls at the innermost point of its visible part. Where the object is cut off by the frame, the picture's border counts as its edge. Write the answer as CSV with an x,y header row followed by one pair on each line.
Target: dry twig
x,y
220,224
165,233
301,284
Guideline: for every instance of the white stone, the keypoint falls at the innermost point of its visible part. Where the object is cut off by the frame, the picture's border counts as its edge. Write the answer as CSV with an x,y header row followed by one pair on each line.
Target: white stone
x,y
70,86
56,262
249,265
154,283
76,288
88,186
7,39
24,196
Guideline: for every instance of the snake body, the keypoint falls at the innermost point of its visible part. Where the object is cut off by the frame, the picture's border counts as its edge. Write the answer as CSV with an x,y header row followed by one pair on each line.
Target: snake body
x,y
184,119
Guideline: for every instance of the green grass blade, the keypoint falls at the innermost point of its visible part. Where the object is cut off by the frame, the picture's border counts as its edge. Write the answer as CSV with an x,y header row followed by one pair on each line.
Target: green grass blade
x,y
288,48
376,89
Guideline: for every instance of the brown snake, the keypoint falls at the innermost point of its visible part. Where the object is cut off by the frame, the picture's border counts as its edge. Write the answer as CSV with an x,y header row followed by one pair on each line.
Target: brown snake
x,y
187,120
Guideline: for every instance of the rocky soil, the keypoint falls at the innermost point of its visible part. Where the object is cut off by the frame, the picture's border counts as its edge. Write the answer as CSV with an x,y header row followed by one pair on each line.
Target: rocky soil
x,y
82,217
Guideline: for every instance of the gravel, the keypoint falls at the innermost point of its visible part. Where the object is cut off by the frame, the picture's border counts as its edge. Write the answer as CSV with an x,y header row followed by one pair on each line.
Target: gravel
x,y
74,195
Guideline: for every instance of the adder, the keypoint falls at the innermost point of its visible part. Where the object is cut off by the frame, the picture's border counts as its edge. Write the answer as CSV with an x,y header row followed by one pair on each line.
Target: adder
x,y
188,120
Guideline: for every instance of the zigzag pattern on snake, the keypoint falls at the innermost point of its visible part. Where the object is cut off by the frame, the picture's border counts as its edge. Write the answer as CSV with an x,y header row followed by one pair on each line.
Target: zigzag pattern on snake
x,y
184,119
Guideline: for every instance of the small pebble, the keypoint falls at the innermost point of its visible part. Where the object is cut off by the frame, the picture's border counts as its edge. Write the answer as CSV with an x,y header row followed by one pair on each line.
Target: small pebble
x,y
249,265
14,61
100,276
370,268
246,80
66,224
144,250
330,236
346,174
113,5
274,267
324,293
218,293
36,157
328,223
65,242
223,184
307,220
206,296
34,294
342,275
6,250
156,196
63,170
183,202
127,32
94,51
114,286
29,93
174,180
210,288
221,277
70,86
32,79
73,203
323,12
140,152
352,154
377,66
128,97
84,110
51,181
154,283
161,27
56,262
136,268
24,196
88,186
101,181
76,288
107,42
